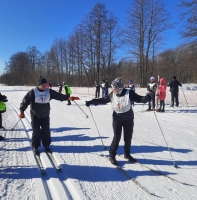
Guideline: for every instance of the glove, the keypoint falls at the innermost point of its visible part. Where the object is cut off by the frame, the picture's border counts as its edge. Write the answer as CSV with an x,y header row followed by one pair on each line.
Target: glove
x,y
88,103
74,98
22,115
71,98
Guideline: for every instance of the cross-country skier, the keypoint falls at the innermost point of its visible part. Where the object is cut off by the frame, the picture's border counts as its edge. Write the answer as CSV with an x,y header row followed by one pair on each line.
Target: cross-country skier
x,y
3,99
67,91
123,116
39,101
97,91
151,87
174,89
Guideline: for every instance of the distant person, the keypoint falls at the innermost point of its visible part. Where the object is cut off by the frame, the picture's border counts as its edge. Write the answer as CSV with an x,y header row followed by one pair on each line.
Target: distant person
x,y
123,116
103,86
67,91
131,86
162,94
59,86
97,91
39,100
151,87
3,99
107,86
174,89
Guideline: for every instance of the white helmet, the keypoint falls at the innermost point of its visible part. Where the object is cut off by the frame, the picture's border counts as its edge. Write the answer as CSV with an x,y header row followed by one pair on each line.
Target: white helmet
x,y
152,78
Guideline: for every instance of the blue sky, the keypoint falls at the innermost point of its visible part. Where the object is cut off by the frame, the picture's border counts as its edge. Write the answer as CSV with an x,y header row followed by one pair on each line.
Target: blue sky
x,y
25,23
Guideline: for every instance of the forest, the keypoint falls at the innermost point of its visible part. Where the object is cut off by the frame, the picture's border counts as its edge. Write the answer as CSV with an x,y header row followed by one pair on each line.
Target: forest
x,y
101,47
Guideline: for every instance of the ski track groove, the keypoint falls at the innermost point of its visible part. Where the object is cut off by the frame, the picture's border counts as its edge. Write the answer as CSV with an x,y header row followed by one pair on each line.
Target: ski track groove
x,y
86,158
55,187
72,158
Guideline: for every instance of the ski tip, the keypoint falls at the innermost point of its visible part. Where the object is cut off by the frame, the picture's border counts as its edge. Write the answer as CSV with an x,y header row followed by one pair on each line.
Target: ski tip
x,y
176,166
59,168
43,172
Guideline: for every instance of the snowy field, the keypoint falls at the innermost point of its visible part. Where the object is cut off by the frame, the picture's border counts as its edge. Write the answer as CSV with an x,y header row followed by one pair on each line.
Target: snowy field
x,y
77,146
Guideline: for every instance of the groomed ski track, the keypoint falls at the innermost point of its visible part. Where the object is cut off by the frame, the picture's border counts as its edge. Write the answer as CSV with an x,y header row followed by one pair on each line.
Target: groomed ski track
x,y
77,147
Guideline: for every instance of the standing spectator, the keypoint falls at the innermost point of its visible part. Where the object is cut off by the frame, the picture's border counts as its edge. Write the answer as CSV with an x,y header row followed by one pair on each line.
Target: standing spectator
x,y
151,87
107,86
162,94
131,86
174,89
39,100
67,91
123,116
97,92
103,86
3,99
59,86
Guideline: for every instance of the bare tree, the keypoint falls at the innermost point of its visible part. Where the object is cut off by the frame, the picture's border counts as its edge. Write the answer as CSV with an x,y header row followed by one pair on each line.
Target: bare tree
x,y
146,23
190,15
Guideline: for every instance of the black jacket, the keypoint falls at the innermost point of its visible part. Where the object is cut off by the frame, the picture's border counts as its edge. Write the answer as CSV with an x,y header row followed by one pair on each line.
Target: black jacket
x,y
127,115
41,110
174,85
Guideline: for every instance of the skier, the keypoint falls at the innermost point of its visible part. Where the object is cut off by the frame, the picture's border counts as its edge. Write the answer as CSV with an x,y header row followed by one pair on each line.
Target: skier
x,y
103,86
60,87
162,94
131,86
97,92
151,87
3,99
174,89
107,86
39,99
67,91
123,116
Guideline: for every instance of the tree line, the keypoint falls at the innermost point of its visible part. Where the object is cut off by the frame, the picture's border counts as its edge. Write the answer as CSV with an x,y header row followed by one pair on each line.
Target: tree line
x,y
100,48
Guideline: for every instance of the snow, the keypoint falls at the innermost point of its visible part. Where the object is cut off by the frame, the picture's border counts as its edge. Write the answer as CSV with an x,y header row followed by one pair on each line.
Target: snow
x,y
77,147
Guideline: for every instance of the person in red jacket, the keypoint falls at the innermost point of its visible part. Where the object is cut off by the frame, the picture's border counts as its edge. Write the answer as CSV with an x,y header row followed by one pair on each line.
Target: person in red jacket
x,y
162,94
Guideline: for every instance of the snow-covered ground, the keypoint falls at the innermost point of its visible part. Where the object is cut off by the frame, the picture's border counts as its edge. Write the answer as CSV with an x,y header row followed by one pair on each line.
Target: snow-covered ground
x,y
77,146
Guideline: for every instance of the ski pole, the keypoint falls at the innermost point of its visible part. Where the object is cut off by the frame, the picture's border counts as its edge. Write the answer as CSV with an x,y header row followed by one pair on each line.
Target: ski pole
x,y
97,129
15,125
184,97
165,140
81,109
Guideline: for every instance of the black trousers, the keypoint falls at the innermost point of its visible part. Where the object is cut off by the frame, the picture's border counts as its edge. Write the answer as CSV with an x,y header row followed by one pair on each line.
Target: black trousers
x,y
162,104
174,96
69,102
41,131
152,103
97,93
127,126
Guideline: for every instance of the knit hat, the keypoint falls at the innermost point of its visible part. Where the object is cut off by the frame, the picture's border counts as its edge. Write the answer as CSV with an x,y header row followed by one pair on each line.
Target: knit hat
x,y
117,83
174,77
130,81
41,81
